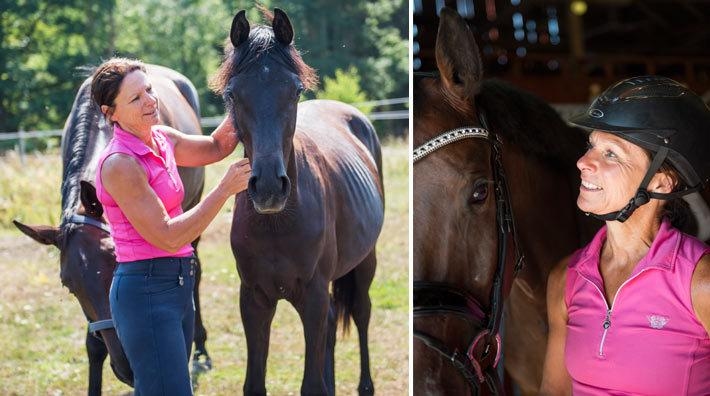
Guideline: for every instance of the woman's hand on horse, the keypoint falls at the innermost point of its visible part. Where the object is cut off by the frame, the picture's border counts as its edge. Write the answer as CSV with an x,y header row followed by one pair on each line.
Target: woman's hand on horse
x,y
236,179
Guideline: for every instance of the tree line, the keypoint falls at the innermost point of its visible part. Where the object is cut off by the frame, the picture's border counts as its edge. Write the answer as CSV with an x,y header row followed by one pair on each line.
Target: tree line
x,y
47,48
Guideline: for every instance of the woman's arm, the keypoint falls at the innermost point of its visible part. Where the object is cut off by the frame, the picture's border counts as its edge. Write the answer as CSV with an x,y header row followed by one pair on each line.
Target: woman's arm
x,y
700,291
127,183
555,379
198,150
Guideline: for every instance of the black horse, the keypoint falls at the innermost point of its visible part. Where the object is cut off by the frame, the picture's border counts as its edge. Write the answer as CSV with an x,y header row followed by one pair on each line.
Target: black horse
x,y
314,206
87,258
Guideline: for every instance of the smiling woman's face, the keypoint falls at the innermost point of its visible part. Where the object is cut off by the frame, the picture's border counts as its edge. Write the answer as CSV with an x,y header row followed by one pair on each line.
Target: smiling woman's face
x,y
136,106
611,171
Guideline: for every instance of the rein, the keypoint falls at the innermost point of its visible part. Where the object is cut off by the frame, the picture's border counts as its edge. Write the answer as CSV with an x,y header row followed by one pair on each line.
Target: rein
x,y
104,324
478,364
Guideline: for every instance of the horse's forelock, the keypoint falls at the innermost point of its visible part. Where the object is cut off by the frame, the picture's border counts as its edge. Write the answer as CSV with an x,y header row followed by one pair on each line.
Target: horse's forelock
x,y
261,41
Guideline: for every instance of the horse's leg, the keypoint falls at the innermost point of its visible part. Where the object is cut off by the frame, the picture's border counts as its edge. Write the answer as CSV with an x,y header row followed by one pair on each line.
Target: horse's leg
x,y
329,368
313,309
97,352
362,306
201,360
257,311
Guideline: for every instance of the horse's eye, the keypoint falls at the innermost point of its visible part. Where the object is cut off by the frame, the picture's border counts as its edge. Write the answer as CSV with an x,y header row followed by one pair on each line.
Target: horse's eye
x,y
228,94
480,192
299,91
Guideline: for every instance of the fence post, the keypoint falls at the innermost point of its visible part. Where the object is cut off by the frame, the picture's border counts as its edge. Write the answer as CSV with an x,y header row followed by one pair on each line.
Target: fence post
x,y
21,136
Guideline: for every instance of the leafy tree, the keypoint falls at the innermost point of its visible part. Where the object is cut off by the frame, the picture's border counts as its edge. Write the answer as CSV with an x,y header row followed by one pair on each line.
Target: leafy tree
x,y
186,35
345,87
369,35
44,43
41,44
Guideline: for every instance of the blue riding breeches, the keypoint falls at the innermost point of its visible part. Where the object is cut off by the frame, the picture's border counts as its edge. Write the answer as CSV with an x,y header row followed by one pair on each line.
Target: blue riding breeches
x,y
154,315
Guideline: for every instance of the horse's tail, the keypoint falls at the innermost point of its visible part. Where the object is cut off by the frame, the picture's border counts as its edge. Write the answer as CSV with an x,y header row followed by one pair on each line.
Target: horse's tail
x,y
344,299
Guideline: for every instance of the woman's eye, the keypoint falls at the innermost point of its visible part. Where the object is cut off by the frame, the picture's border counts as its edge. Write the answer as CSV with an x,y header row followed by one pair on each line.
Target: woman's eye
x,y
610,154
480,192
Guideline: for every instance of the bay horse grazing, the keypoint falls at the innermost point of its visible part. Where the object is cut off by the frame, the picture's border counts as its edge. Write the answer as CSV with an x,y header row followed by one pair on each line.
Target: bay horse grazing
x,y
87,258
314,206
485,150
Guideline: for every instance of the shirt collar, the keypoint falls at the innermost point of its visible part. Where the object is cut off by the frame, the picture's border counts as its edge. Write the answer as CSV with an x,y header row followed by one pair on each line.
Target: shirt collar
x,y
130,141
661,255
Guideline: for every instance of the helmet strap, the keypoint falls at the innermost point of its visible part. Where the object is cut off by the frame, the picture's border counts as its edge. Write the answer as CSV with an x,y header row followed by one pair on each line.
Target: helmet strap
x,y
642,196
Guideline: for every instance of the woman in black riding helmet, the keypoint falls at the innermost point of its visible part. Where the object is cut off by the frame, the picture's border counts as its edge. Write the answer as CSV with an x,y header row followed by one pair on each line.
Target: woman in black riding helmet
x,y
630,312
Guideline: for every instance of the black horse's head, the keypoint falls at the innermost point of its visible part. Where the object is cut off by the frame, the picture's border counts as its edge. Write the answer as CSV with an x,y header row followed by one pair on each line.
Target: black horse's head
x,y
261,80
87,261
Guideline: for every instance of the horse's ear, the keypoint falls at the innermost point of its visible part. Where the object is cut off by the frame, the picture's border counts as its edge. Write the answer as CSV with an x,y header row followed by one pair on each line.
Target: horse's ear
x,y
457,54
240,29
45,235
91,203
282,27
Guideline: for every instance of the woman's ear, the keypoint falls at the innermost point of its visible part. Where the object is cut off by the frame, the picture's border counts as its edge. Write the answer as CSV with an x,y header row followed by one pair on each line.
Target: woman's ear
x,y
108,112
663,182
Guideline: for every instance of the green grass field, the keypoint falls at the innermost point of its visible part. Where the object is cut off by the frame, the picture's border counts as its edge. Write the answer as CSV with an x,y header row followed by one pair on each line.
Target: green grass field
x,y
43,327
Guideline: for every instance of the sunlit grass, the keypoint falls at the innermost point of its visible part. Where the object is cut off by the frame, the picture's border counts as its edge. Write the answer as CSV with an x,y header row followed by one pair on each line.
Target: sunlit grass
x,y
43,327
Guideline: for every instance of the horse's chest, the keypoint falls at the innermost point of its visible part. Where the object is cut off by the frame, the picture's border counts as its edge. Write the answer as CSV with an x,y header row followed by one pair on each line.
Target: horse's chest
x,y
265,255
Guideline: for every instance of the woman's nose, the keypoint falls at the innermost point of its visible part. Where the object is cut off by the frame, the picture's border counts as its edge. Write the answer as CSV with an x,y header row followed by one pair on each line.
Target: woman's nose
x,y
150,99
586,161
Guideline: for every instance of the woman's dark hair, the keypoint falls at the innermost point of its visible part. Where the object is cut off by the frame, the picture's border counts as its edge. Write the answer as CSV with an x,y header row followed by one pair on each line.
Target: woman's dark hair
x,y
678,210
107,78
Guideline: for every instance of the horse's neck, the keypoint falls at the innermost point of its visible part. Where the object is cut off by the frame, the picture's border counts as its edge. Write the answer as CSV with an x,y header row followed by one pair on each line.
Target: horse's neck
x,y
545,212
81,154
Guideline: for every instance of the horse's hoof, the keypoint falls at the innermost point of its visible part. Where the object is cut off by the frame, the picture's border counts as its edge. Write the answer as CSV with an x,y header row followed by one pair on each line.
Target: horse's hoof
x,y
201,362
366,390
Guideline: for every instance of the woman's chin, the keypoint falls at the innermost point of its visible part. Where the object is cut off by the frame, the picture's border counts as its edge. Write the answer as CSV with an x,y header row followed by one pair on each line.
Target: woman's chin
x,y
588,207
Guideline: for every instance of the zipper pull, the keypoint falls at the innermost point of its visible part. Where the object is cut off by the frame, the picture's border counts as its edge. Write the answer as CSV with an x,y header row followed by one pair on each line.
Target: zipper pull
x,y
180,280
607,320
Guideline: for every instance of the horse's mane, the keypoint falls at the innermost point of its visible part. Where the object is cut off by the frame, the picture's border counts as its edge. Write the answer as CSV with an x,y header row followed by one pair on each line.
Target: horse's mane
x,y
261,41
84,119
536,128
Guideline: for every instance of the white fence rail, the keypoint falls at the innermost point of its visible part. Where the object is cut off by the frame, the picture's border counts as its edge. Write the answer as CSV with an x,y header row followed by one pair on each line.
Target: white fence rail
x,y
212,122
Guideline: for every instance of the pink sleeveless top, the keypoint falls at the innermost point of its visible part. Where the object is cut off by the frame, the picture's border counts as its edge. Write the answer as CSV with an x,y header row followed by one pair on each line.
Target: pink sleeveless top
x,y
649,341
163,177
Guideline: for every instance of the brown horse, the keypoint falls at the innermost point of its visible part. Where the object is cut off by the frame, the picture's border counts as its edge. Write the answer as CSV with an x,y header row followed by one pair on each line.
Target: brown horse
x,y
314,206
458,245
87,257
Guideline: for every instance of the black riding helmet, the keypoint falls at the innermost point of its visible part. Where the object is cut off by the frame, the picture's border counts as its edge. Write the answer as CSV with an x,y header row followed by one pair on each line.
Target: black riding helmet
x,y
659,115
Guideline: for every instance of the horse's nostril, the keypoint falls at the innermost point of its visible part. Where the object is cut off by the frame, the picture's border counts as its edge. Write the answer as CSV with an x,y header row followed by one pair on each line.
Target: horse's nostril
x,y
285,185
252,183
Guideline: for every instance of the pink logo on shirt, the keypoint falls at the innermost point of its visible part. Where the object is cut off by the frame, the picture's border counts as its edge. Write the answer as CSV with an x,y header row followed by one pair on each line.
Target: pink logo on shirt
x,y
657,321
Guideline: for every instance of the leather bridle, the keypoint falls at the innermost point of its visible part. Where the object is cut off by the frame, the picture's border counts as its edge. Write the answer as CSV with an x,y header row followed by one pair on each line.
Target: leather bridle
x,y
478,364
94,327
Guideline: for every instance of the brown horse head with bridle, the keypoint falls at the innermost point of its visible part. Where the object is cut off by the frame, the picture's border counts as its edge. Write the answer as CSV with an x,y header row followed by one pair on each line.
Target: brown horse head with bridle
x,y
484,150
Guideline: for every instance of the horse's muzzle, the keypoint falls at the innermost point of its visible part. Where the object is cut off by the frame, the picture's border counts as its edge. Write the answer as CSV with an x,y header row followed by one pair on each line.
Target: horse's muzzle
x,y
269,197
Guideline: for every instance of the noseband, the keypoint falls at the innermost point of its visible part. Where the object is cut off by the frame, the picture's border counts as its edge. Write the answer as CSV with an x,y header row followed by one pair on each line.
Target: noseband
x,y
104,324
478,364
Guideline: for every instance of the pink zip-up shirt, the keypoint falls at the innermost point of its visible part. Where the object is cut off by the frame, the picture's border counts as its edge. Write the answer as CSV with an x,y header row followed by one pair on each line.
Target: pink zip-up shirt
x,y
649,341
163,177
